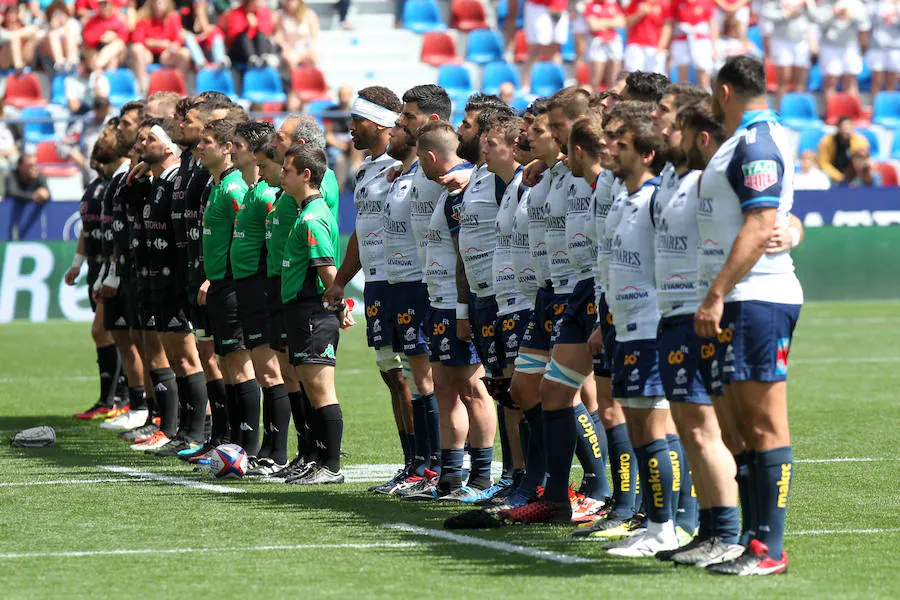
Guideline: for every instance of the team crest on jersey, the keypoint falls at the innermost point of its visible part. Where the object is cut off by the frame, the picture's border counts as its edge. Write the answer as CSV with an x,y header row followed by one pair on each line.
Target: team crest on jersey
x,y
159,193
146,211
760,175
178,181
232,186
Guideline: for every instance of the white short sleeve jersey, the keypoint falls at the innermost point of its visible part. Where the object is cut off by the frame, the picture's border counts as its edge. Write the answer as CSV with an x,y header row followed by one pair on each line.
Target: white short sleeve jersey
x,y
578,220
677,240
400,253
520,249
422,197
368,196
618,193
601,200
477,229
537,229
562,274
506,289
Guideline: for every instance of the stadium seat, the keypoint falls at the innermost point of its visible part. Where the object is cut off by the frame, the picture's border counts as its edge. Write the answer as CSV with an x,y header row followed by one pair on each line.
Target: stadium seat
x,y
692,74
167,80
457,81
24,90
315,108
262,85
216,80
895,146
41,129
799,111
887,110
754,34
842,104
547,78
872,138
439,48
310,83
520,47
771,77
468,15
888,174
814,81
520,103
583,74
810,137
422,16
58,90
484,46
569,54
50,164
503,11
864,79
122,86
496,74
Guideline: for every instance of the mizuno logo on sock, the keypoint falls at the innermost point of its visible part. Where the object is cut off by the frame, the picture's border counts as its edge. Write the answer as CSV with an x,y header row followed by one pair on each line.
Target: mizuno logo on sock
x,y
245,427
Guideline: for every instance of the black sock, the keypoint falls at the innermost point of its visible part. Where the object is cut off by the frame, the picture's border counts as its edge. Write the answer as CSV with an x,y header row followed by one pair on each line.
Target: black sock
x,y
421,447
535,465
407,443
108,365
234,416
183,407
314,441
332,422
279,426
433,425
524,435
218,393
266,426
166,391
247,394
560,439
506,453
193,423
296,399
136,398
122,386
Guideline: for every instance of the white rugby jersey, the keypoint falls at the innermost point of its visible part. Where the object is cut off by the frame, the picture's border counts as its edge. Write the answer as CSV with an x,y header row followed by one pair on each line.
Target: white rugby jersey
x,y
506,288
400,252
440,268
578,220
562,274
677,240
632,291
368,196
477,229
754,168
520,249
606,224
537,229
422,197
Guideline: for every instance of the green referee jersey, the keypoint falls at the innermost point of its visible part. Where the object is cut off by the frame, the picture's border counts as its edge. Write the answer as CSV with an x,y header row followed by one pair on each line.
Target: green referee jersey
x,y
249,237
224,202
314,242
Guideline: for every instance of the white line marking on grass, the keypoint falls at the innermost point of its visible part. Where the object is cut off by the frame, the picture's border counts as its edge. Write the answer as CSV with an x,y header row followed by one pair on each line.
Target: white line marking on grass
x,y
68,481
842,460
848,361
493,545
83,553
843,531
191,483
43,379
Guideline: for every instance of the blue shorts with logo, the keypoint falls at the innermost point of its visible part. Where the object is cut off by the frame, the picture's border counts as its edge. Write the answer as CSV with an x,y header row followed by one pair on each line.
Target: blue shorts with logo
x,y
679,361
548,308
577,321
379,314
409,301
483,317
444,346
512,330
710,366
756,340
636,370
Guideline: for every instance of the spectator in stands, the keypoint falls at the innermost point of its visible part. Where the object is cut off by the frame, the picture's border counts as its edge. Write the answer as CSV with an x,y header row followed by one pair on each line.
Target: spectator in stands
x,y
733,41
204,41
649,25
297,33
83,134
883,56
25,187
809,176
789,45
294,102
605,18
61,38
104,36
695,39
338,144
835,150
84,9
248,31
739,10
85,85
343,8
18,41
862,172
843,23
579,30
546,30
157,39
9,151
507,92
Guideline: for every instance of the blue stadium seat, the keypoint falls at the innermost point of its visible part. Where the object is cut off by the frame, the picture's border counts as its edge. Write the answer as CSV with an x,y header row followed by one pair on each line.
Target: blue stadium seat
x,y
58,90
503,10
895,146
315,108
422,16
872,137
864,79
814,82
547,78
457,81
887,110
799,111
692,74
520,102
484,46
569,54
810,137
754,34
122,86
41,130
216,80
495,74
263,85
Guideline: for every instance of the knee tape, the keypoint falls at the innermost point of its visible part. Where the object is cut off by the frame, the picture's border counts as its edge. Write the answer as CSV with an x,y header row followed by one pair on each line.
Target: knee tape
x,y
531,364
564,375
408,376
387,360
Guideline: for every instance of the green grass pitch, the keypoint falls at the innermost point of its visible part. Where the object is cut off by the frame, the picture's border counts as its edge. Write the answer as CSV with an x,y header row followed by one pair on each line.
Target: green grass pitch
x,y
62,537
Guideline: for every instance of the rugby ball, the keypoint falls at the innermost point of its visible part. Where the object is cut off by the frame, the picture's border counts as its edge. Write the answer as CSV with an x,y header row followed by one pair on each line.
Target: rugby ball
x,y
228,461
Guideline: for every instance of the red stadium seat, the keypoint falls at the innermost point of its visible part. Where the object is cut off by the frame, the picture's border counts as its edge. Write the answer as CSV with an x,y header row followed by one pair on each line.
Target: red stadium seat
x,y
583,75
771,78
167,80
438,48
842,104
309,82
467,15
24,90
50,164
888,174
520,47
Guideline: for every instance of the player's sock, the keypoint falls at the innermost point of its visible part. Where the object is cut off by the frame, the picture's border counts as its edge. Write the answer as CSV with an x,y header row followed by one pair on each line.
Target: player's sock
x,y
280,424
332,420
480,475
705,525
433,426
234,416
109,365
419,436
524,435
314,439
725,523
197,401
136,398
266,425
247,394
745,464
658,481
451,469
773,483
560,439
166,391
122,384
218,394
622,463
535,467
408,453
601,439
590,455
183,407
685,505
296,400
505,451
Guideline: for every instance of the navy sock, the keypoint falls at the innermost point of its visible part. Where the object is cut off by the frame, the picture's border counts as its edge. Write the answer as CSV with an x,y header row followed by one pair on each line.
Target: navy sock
x,y
704,527
332,421
658,482
622,465
451,469
744,462
505,451
433,426
524,435
725,523
480,475
136,398
640,454
560,439
408,452
247,400
280,424
166,391
685,505
535,467
601,439
590,455
420,437
193,424
774,470
109,366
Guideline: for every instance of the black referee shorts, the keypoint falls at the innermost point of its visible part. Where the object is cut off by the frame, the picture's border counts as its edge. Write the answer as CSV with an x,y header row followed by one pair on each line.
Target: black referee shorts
x,y
253,309
278,338
313,333
222,310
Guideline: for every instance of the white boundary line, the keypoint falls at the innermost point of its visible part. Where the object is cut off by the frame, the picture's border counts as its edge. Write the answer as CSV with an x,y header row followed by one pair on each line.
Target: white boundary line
x,y
191,483
69,481
848,361
843,531
493,545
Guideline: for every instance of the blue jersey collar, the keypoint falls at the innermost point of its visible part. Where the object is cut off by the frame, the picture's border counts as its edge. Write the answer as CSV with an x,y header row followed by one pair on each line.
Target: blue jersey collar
x,y
752,117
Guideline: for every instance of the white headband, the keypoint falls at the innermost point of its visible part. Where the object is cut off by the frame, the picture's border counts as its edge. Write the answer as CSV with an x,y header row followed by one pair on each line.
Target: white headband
x,y
371,111
162,136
